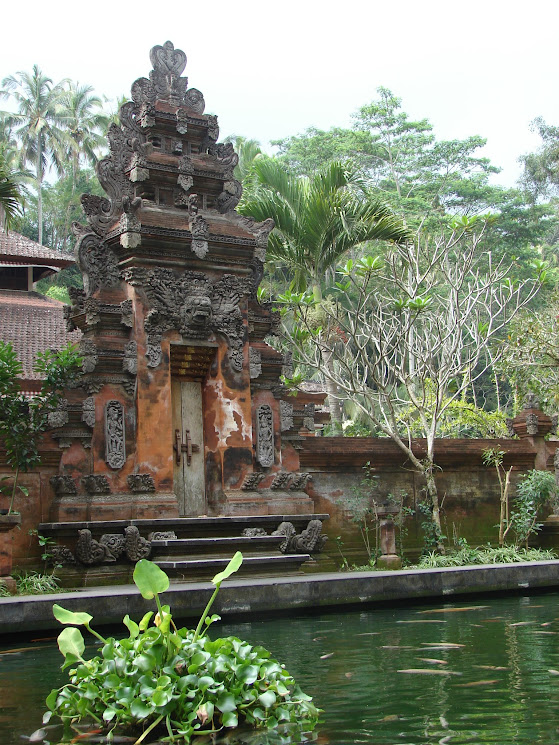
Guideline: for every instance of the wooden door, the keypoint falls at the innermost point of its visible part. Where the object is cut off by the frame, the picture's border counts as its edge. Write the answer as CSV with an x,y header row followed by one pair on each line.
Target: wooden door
x,y
188,447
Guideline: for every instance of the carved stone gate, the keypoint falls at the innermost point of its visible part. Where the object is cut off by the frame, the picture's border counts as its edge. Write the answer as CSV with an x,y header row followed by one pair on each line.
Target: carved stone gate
x,y
172,332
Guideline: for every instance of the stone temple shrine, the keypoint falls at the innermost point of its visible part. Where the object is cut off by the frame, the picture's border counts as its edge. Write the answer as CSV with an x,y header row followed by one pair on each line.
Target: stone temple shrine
x,y
180,410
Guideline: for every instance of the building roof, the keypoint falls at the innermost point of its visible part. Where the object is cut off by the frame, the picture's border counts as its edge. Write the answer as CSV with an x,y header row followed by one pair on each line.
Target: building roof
x,y
32,323
17,250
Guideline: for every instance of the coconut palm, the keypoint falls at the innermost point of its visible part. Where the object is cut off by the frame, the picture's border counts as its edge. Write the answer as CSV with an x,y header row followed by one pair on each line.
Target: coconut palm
x,y
11,199
84,121
318,219
37,125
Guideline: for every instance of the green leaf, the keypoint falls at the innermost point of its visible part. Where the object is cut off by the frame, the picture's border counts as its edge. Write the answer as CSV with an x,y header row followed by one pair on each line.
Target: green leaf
x,y
109,714
248,674
226,703
230,569
139,709
145,621
68,616
70,641
267,699
132,627
150,579
230,719
51,699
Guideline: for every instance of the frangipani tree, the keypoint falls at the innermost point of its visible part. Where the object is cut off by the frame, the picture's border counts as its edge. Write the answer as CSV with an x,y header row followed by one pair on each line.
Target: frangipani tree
x,y
417,323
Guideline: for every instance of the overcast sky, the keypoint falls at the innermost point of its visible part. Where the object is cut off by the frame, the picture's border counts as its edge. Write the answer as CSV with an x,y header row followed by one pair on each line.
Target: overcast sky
x,y
270,69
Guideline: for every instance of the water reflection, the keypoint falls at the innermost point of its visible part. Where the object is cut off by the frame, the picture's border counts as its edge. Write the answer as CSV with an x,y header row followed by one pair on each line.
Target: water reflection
x,y
449,674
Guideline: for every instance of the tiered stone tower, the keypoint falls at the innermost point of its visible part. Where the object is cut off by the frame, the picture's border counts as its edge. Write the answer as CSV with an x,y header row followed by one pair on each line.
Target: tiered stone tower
x,y
180,411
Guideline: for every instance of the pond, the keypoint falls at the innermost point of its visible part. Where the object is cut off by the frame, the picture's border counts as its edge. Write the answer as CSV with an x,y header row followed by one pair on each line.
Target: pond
x,y
465,672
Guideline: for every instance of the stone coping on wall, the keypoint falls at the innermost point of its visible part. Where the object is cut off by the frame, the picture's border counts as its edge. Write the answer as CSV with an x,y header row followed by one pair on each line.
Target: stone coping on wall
x,y
339,453
270,596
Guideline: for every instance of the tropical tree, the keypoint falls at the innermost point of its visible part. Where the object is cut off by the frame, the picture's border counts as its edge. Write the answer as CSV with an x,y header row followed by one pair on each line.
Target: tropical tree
x,y
417,322
85,122
37,125
11,199
318,219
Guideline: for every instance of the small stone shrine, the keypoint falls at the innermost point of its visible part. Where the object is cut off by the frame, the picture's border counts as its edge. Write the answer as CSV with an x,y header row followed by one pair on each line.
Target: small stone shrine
x,y
180,410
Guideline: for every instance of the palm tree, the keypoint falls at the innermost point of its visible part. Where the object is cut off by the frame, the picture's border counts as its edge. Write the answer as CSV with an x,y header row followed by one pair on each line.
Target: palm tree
x,y
38,125
318,219
11,199
84,120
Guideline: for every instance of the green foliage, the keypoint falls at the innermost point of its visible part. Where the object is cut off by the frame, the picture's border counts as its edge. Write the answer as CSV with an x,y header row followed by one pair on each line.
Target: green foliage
x,y
485,555
32,583
57,292
22,419
535,490
173,681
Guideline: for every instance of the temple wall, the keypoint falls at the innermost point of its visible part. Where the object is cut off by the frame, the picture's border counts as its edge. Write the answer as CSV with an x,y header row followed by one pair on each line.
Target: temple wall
x,y
469,490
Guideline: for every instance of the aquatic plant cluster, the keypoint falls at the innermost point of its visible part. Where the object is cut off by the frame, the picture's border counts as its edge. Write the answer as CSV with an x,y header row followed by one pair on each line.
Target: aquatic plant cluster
x,y
174,682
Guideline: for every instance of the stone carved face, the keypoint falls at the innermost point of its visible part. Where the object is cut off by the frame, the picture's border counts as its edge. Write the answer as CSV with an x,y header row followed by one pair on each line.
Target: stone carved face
x,y
196,316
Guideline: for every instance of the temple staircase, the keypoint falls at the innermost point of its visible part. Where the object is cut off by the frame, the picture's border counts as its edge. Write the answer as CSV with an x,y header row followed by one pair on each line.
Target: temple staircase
x,y
187,549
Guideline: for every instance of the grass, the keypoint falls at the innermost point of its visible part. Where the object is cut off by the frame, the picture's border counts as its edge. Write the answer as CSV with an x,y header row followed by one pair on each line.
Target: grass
x,y
32,583
467,556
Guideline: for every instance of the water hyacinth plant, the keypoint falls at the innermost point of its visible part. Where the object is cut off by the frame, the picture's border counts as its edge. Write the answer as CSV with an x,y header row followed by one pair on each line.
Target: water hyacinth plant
x,y
174,683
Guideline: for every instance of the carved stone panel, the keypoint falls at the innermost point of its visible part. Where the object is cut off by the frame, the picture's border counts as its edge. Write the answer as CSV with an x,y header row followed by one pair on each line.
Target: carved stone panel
x,y
255,363
286,415
115,450
265,436
141,482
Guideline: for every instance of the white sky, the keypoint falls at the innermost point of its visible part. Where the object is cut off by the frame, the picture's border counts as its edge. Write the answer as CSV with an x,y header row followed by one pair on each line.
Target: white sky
x,y
272,69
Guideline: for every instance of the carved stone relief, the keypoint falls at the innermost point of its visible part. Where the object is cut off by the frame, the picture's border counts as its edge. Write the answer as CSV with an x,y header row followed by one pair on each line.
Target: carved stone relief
x,y
141,482
265,436
98,263
89,354
255,360
194,305
59,416
299,481
251,481
130,359
115,446
286,416
96,484
281,480
127,313
63,485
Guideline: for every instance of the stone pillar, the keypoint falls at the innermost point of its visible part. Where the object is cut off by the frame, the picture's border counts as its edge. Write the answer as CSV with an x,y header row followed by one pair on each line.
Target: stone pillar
x,y
7,524
533,424
388,559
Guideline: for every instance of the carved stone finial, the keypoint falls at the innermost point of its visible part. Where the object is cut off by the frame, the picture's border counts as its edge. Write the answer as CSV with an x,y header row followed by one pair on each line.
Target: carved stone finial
x,y
310,540
136,547
532,424
287,530
531,401
90,551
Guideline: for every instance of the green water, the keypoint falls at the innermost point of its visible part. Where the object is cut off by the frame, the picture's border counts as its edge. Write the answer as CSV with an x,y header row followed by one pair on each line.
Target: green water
x,y
501,685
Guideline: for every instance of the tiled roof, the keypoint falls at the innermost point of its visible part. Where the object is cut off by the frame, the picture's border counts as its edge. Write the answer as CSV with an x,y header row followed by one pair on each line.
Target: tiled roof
x,y
16,246
32,323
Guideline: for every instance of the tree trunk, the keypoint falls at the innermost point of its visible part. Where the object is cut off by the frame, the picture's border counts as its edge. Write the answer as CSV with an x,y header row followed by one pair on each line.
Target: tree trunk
x,y
433,494
332,391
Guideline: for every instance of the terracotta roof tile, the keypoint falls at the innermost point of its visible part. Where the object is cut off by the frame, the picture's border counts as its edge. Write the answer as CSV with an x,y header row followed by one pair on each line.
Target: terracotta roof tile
x,y
32,323
14,245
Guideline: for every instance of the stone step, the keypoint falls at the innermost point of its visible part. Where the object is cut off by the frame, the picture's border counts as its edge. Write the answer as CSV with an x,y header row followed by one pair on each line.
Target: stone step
x,y
271,565
224,525
220,546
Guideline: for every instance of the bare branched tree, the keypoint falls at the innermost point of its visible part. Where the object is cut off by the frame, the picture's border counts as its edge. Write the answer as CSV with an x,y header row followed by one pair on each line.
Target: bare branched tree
x,y
410,331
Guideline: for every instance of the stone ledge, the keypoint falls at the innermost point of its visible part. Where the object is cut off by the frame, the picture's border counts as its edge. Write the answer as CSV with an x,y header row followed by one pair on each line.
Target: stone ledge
x,y
267,596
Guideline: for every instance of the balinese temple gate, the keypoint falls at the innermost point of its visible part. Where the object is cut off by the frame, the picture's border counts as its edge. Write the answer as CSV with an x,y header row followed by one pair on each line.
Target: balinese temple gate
x,y
180,411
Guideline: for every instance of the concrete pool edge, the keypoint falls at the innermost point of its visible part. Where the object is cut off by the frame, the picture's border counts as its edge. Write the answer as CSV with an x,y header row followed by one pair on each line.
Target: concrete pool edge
x,y
269,595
